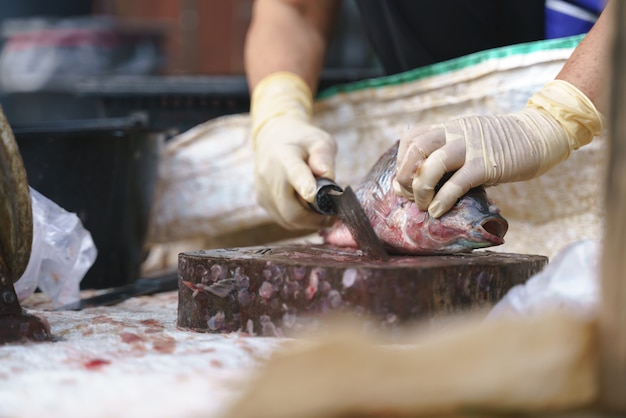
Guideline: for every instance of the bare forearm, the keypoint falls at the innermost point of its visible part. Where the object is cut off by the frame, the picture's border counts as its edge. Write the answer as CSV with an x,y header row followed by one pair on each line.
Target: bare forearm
x,y
587,67
289,36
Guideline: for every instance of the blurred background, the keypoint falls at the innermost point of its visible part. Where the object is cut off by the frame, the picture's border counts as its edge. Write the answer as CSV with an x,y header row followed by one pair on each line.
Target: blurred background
x,y
179,61
93,89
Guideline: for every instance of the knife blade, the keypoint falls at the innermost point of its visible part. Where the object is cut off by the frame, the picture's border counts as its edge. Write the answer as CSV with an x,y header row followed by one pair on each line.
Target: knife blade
x,y
141,287
332,200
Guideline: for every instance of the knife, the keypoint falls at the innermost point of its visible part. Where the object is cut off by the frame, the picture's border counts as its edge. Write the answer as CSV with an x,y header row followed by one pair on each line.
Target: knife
x,y
332,200
141,287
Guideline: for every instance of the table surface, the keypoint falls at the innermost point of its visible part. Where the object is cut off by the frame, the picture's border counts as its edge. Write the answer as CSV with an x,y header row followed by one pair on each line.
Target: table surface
x,y
117,360
130,360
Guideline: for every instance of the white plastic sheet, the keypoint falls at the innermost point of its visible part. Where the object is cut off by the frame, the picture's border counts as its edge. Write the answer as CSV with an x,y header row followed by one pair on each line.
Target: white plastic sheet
x,y
568,283
62,252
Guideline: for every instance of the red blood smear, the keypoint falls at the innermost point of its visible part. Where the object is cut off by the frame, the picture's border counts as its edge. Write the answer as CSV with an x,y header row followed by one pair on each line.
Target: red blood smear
x,y
164,344
129,337
151,323
96,363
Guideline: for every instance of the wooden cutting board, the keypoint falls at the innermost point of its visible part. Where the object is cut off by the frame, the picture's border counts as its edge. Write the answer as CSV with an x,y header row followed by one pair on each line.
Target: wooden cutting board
x,y
275,290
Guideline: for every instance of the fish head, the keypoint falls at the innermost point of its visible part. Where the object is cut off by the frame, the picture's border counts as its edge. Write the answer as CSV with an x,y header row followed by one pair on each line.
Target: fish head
x,y
473,222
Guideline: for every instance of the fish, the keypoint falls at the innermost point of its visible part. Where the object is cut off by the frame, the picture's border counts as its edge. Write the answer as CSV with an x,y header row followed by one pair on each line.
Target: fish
x,y
473,222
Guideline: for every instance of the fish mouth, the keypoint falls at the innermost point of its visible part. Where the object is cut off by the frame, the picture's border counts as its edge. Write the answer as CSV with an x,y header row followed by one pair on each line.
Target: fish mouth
x,y
493,229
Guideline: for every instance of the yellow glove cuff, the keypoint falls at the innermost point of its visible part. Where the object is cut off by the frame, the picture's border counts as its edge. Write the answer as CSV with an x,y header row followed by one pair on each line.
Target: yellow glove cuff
x,y
572,109
279,94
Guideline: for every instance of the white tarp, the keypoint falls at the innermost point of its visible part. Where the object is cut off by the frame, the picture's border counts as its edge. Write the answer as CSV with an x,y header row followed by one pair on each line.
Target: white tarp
x,y
206,176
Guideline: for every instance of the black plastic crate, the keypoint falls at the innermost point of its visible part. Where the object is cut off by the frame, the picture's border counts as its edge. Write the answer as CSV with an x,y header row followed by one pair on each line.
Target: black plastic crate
x,y
105,171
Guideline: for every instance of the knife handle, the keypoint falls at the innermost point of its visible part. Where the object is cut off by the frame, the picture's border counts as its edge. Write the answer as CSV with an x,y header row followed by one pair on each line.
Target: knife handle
x,y
322,203
163,283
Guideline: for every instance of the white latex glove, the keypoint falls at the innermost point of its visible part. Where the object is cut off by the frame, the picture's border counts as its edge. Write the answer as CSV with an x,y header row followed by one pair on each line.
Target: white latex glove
x,y
289,151
487,150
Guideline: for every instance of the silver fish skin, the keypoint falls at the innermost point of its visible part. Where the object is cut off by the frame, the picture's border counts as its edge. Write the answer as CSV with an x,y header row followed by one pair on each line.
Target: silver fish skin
x,y
474,221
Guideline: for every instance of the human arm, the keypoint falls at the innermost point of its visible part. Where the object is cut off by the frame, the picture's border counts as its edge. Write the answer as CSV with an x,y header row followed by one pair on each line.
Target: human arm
x,y
587,67
487,150
284,54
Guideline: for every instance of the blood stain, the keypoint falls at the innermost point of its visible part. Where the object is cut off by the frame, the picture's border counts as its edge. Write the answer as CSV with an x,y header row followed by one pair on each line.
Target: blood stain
x,y
96,363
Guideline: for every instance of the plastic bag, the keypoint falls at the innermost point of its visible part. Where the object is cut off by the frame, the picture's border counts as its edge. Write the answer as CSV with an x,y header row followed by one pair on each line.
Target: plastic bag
x,y
568,283
62,252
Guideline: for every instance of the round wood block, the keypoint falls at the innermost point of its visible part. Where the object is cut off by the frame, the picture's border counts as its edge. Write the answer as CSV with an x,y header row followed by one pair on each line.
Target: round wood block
x,y
274,290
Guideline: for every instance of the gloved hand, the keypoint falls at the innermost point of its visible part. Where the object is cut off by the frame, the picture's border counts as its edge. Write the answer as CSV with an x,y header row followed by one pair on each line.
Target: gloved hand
x,y
289,151
487,150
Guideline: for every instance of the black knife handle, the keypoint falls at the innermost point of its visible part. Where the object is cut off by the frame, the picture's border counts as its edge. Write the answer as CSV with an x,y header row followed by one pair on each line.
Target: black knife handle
x,y
163,283
323,204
